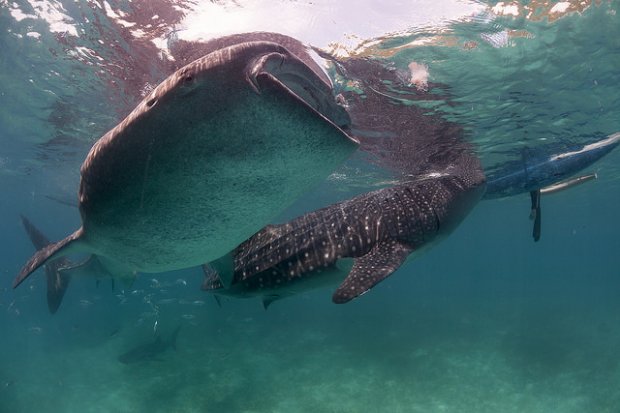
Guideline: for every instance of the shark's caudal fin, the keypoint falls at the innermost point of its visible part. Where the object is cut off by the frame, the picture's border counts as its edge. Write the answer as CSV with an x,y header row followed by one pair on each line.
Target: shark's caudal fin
x,y
370,269
38,239
49,252
57,284
57,281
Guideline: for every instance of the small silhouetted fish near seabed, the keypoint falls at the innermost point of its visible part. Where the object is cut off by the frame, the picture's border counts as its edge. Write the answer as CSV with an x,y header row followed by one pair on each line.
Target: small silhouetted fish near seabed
x,y
150,351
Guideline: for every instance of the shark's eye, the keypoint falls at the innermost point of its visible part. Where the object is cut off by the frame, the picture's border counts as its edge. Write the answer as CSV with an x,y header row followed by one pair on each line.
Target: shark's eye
x,y
188,78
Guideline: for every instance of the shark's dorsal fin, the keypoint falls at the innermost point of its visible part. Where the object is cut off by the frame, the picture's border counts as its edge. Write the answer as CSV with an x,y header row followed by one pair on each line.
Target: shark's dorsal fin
x,y
372,268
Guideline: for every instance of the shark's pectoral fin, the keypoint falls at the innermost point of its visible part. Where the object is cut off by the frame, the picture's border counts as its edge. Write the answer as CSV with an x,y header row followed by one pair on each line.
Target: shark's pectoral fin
x,y
212,280
49,252
372,268
535,214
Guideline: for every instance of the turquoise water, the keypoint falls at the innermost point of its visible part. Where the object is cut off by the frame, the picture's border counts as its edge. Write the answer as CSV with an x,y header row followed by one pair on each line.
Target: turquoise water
x,y
487,321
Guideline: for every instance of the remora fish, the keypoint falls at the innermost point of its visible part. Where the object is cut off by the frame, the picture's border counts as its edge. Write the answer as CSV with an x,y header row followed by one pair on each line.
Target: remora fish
x,y
205,160
150,351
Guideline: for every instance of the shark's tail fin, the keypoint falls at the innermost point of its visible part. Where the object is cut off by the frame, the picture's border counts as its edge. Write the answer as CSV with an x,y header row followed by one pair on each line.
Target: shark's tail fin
x,y
57,281
49,252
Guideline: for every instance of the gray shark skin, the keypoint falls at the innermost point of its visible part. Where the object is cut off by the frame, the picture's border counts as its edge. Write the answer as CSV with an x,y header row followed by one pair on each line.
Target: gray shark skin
x,y
211,155
150,351
373,234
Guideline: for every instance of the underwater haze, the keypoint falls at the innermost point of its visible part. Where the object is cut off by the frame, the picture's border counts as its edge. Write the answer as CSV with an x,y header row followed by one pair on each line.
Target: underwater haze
x,y
487,321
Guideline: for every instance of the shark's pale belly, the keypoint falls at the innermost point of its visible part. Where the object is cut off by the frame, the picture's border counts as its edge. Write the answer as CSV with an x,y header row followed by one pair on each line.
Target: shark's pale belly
x,y
180,204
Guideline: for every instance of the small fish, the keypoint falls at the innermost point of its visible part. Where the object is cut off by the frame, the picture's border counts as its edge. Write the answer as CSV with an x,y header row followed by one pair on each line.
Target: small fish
x,y
150,351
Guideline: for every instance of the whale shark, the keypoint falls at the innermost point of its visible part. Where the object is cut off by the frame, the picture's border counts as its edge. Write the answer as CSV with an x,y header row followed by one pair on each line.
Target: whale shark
x,y
301,265
361,241
211,155
547,171
370,235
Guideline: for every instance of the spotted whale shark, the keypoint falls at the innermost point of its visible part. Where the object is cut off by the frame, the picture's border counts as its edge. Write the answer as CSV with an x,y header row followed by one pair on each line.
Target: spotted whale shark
x,y
372,234
361,241
210,156
285,260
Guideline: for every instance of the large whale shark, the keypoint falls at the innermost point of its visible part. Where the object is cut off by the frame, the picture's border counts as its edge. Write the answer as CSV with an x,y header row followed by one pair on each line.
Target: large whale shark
x,y
298,256
553,169
210,156
361,241
372,235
